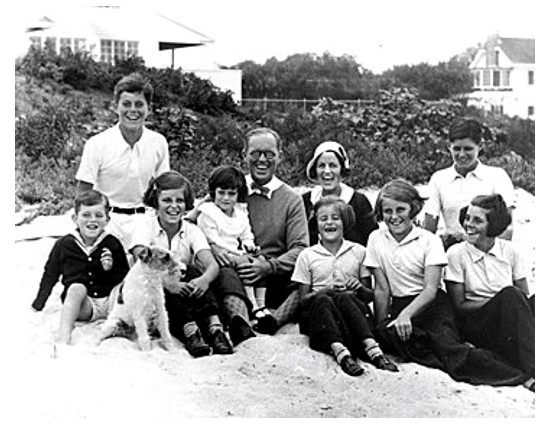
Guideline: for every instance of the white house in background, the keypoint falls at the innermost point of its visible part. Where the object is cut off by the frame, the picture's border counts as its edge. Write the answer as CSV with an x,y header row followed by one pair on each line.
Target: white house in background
x,y
110,32
504,76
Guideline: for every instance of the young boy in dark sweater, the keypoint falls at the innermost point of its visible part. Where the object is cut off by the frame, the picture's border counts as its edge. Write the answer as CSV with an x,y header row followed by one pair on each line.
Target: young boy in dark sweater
x,y
91,263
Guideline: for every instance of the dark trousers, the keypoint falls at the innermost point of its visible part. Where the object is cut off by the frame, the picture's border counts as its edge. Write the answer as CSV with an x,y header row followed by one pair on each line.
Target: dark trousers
x,y
184,309
341,317
436,342
278,287
506,326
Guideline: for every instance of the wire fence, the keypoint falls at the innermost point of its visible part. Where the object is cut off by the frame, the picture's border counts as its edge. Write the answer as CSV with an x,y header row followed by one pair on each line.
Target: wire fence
x,y
264,104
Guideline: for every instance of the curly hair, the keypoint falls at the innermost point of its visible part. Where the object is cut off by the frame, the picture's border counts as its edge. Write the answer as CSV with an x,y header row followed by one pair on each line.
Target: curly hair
x,y
134,83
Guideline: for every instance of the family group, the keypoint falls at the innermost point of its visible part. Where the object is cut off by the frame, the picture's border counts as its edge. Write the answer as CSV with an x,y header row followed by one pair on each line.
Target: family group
x,y
360,280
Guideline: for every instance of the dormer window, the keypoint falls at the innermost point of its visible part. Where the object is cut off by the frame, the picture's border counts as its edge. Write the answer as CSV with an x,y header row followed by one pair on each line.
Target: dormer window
x,y
497,58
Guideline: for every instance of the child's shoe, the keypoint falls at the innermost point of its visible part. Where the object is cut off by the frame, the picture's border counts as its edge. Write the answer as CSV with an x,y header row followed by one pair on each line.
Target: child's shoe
x,y
265,322
220,343
196,346
383,363
240,330
350,366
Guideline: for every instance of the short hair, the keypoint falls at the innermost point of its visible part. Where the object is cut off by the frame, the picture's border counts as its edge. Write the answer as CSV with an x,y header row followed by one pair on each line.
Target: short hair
x,y
134,83
228,177
400,190
166,181
467,127
90,197
497,213
346,211
262,131
343,170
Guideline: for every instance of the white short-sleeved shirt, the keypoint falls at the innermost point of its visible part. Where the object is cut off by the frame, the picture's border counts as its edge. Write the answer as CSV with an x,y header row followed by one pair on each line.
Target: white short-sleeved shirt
x,y
404,262
120,172
318,267
225,230
484,273
449,191
188,241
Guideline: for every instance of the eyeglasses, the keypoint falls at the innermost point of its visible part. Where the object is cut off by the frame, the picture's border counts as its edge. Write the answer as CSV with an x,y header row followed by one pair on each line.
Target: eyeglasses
x,y
268,154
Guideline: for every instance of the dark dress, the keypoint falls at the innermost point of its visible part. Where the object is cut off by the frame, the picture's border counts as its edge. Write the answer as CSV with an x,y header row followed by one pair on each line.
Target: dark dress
x,y
365,223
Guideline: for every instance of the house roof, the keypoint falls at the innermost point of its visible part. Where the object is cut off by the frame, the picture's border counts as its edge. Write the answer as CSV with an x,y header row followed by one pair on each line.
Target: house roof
x,y
519,50
116,22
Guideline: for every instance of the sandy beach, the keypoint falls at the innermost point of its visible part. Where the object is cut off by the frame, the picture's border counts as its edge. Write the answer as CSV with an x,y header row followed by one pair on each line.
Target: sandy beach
x,y
268,376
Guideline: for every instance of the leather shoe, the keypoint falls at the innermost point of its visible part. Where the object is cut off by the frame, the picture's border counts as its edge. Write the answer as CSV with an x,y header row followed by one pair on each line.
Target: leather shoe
x,y
196,346
266,325
383,363
220,343
350,366
240,330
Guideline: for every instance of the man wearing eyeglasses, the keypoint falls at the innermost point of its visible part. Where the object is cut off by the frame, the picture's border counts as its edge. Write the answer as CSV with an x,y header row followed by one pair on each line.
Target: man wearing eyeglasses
x,y
278,221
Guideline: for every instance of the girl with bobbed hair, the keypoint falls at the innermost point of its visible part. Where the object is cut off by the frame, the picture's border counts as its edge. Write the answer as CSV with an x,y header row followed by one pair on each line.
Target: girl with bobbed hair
x,y
415,317
486,281
452,188
190,302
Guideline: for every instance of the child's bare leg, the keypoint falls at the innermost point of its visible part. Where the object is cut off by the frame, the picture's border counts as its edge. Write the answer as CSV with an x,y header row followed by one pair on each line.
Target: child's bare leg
x,y
250,292
76,306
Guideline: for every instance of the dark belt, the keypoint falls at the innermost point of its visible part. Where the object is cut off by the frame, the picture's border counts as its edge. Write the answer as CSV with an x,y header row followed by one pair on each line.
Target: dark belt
x,y
128,211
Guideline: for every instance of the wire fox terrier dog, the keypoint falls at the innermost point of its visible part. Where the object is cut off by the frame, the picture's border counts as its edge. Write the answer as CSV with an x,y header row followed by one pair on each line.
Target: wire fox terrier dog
x,y
141,301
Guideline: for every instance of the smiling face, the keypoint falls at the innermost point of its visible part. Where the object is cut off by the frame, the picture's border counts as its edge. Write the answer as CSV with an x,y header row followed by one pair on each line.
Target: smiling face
x,y
132,110
465,153
91,221
330,224
328,171
396,215
476,226
226,199
262,157
171,207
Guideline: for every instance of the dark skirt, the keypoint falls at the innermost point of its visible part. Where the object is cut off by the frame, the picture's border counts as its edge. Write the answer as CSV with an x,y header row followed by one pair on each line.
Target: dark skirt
x,y
436,342
340,317
184,309
505,325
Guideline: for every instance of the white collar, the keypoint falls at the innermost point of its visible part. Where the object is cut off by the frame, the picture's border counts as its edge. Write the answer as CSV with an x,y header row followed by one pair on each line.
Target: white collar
x,y
320,249
477,254
346,193
80,241
272,185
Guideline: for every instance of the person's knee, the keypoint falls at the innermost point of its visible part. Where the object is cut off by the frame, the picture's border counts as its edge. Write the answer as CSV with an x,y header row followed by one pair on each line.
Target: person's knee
x,y
512,293
76,292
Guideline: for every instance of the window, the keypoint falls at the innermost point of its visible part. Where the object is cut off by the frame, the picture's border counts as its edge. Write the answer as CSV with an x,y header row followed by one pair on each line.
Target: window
x,y
111,50
477,79
65,44
506,78
36,41
531,110
51,43
106,51
486,78
496,78
79,44
530,77
497,58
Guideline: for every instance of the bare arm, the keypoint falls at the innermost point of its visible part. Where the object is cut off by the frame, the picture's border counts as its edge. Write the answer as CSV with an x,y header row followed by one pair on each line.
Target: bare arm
x,y
402,323
382,295
210,265
456,291
431,223
522,285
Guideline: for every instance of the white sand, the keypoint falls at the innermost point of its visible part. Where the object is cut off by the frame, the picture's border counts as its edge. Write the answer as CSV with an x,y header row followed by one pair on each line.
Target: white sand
x,y
268,376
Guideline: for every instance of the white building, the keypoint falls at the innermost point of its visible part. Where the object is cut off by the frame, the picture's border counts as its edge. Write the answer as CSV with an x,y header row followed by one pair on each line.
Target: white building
x,y
110,32
504,76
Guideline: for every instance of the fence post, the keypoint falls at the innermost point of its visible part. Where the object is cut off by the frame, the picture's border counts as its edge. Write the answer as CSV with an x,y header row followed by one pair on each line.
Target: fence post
x,y
265,103
304,104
